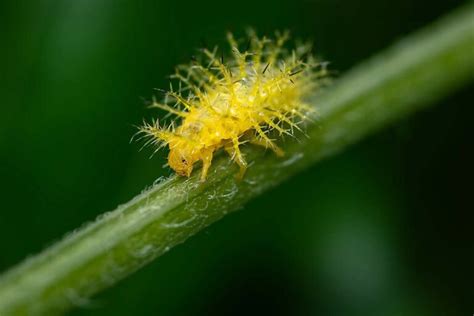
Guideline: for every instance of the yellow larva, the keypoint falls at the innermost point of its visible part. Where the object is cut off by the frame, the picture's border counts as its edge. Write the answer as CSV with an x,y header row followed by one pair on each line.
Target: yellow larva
x,y
224,102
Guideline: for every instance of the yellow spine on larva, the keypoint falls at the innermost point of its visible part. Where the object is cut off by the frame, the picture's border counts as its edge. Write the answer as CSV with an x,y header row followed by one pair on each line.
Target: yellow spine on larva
x,y
222,102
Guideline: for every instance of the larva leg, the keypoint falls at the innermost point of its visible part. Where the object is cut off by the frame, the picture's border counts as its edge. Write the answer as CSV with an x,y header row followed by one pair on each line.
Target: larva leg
x,y
261,142
206,163
234,152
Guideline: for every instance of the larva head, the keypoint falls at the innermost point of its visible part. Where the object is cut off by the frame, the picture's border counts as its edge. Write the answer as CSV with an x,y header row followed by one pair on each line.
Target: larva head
x,y
181,160
183,153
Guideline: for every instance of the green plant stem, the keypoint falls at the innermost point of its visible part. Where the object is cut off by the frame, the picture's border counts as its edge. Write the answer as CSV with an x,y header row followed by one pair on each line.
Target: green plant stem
x,y
412,74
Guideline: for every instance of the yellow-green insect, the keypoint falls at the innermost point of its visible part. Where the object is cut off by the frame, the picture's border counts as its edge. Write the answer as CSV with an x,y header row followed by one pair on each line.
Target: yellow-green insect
x,y
257,92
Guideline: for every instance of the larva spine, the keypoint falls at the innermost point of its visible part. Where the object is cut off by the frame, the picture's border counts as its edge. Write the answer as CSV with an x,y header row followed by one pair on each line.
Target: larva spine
x,y
224,101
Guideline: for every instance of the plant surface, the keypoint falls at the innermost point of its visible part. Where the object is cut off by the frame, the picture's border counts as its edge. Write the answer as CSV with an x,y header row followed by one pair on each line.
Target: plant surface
x,y
413,74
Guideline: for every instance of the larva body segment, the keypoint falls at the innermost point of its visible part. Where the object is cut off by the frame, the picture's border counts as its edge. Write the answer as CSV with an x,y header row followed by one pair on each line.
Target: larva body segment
x,y
222,103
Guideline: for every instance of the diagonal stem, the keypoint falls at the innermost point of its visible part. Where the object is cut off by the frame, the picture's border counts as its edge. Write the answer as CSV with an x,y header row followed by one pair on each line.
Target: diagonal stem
x,y
412,74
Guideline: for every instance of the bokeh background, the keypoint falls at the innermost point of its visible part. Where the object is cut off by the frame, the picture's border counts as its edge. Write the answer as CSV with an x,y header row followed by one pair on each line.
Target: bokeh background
x,y
383,229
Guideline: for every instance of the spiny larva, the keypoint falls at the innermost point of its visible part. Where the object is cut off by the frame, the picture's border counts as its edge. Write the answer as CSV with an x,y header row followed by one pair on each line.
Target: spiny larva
x,y
223,102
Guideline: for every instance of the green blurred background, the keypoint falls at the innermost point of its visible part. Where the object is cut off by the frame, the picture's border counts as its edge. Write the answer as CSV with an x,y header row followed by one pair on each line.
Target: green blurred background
x,y
382,229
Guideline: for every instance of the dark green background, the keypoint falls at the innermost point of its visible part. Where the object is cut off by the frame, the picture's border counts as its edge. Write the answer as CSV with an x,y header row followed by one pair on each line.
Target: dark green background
x,y
382,229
